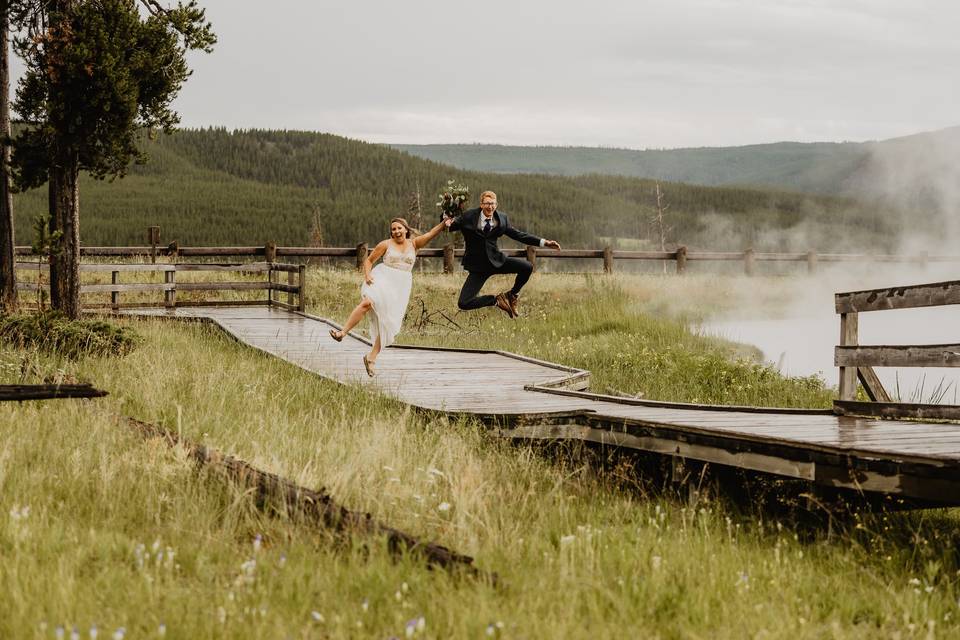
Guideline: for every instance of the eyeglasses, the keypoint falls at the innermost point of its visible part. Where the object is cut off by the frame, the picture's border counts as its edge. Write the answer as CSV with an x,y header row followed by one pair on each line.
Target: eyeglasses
x,y
488,204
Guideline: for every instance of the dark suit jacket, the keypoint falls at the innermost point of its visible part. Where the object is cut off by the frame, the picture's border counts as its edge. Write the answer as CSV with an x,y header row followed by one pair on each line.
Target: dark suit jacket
x,y
480,251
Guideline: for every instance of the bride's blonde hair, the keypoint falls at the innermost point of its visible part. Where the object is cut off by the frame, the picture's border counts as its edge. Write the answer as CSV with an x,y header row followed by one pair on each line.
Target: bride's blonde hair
x,y
406,225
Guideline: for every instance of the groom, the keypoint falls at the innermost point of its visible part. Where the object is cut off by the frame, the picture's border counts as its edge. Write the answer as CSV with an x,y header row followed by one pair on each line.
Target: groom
x,y
482,258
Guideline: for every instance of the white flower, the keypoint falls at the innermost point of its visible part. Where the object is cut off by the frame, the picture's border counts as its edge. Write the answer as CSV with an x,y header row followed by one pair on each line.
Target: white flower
x,y
317,616
443,507
119,633
656,561
565,540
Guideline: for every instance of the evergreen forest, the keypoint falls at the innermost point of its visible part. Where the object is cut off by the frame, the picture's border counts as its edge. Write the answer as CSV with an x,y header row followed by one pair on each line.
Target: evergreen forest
x,y
211,187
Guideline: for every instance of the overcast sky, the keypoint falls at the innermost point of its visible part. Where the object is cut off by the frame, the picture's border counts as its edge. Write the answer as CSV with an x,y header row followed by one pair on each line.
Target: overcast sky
x,y
622,73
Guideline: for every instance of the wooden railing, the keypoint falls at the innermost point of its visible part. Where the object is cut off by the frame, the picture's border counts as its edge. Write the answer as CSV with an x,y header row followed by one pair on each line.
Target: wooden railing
x,y
856,361
680,256
293,287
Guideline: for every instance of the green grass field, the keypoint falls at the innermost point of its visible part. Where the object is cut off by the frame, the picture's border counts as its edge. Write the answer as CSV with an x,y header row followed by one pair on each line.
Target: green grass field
x,y
99,528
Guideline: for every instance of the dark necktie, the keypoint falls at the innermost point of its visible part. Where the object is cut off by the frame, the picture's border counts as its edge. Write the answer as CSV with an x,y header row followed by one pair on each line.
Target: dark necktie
x,y
486,227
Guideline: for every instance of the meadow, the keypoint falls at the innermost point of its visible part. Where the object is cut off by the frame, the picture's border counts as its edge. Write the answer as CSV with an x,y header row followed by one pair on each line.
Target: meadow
x,y
102,530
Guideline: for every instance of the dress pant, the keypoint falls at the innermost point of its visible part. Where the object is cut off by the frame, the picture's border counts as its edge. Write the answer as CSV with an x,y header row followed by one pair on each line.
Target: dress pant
x,y
476,279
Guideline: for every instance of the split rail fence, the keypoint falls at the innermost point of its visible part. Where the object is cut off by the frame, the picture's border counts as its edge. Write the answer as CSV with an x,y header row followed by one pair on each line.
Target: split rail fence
x,y
271,272
856,361
679,256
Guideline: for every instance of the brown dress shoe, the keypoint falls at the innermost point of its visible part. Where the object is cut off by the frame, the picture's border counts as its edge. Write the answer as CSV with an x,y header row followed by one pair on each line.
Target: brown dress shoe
x,y
504,304
514,301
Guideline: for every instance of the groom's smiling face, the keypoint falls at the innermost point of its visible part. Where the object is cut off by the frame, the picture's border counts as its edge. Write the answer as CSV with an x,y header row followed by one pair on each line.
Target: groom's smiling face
x,y
488,205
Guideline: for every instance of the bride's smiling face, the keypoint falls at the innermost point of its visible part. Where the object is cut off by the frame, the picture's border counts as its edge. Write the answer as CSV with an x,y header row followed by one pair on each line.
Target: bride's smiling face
x,y
398,232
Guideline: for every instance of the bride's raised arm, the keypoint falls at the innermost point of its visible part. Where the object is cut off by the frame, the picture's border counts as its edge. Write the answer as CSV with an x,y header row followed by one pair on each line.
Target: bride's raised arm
x,y
424,239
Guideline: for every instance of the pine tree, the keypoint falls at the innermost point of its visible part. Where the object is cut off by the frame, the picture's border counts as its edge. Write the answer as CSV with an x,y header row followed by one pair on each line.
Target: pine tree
x,y
96,72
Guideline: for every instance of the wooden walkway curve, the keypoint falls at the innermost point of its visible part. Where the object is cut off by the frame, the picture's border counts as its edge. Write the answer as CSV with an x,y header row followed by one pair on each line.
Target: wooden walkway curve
x,y
542,400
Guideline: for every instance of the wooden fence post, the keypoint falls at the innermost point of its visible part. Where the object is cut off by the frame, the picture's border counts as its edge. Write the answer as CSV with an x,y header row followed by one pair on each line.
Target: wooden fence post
x,y
681,259
748,262
270,252
290,283
848,338
608,259
115,295
270,286
302,276
170,297
153,239
811,262
361,255
532,257
448,258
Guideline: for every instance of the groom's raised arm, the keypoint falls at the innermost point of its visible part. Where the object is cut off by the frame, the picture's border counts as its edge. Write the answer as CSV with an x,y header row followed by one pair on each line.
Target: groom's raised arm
x,y
528,238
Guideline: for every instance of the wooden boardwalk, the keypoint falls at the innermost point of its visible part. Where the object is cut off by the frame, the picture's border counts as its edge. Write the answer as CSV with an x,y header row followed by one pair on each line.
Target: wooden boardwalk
x,y
525,398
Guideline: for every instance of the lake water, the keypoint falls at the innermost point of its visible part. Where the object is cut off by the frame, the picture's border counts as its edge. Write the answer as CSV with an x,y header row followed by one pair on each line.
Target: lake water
x,y
801,343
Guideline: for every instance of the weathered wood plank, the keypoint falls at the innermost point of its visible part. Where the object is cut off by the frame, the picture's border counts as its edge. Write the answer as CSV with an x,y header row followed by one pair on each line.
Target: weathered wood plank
x,y
908,297
137,286
223,286
848,337
933,355
872,385
896,410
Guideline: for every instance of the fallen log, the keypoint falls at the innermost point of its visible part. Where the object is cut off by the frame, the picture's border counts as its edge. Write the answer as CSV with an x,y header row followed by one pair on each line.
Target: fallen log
x,y
21,392
315,506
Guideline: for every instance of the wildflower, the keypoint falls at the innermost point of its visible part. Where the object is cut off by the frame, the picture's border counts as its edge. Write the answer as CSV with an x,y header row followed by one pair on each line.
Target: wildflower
x,y
74,634
317,616
443,507
655,562
18,513
257,542
162,630
365,605
94,632
58,632
914,582
743,580
282,561
565,540
119,633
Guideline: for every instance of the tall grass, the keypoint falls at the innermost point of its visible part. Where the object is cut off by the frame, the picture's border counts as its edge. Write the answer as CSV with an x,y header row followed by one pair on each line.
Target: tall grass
x,y
98,527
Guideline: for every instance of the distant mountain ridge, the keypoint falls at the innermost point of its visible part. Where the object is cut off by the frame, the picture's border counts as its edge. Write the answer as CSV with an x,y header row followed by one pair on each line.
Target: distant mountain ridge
x,y
817,167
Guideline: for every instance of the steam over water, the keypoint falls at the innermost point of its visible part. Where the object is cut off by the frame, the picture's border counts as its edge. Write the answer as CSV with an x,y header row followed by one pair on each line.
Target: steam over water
x,y
802,345
799,340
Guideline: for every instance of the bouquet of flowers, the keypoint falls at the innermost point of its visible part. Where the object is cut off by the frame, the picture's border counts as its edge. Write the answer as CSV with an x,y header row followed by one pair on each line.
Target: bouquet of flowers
x,y
453,199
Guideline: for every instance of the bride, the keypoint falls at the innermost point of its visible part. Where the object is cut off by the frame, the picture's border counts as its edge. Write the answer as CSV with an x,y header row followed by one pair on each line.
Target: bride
x,y
386,288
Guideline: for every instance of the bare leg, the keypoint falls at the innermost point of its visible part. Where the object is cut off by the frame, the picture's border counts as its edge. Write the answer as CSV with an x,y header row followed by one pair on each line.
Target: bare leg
x,y
356,315
375,350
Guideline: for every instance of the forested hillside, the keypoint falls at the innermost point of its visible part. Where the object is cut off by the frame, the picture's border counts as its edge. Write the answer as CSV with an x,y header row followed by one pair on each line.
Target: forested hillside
x,y
215,187
819,167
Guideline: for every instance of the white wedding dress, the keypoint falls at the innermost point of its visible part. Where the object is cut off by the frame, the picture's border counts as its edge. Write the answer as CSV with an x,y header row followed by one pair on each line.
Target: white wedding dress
x,y
389,293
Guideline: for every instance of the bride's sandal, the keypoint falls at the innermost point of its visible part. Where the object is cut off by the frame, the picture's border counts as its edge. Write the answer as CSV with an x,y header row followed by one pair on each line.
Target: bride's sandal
x,y
369,366
336,334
